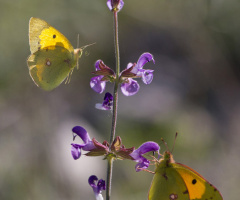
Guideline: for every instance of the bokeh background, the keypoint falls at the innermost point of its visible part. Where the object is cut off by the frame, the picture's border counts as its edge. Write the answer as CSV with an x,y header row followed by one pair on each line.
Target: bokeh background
x,y
195,92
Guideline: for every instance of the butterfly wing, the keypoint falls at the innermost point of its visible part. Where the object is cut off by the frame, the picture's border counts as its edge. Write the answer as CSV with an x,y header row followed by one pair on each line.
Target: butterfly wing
x,y
167,184
198,187
50,66
43,35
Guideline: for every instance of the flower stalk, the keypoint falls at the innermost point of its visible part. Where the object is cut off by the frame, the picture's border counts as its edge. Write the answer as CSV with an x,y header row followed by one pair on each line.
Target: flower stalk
x,y
109,178
115,92
114,149
115,103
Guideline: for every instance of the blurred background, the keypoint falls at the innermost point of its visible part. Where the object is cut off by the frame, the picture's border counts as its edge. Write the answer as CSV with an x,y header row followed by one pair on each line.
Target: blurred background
x,y
195,92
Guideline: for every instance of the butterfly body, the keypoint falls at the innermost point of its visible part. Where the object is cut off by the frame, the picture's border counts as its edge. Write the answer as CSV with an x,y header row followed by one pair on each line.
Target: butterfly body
x,y
52,58
175,181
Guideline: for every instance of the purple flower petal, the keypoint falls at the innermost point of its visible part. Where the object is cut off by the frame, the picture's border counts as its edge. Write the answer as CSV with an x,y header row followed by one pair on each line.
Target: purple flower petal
x,y
119,4
143,59
134,69
83,134
92,180
142,165
129,65
89,146
109,4
100,106
97,65
130,88
101,184
97,85
76,151
147,75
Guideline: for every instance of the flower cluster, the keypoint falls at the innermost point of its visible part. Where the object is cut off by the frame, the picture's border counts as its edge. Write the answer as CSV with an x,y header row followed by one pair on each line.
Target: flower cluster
x,y
115,150
129,86
95,148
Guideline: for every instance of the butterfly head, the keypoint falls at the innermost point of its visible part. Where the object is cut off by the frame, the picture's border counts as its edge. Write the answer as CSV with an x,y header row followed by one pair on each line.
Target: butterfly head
x,y
168,157
78,52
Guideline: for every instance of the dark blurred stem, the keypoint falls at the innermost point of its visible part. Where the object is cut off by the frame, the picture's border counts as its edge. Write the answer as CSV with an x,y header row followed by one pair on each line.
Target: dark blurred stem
x,y
115,103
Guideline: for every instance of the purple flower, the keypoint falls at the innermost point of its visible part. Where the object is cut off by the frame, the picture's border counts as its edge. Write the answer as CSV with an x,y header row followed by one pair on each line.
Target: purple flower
x,y
107,102
96,84
115,5
129,86
87,145
97,186
146,74
93,147
143,163
104,74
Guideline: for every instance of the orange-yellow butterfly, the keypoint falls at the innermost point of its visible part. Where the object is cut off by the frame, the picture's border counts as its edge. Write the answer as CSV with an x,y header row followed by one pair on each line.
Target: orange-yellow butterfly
x,y
175,181
52,56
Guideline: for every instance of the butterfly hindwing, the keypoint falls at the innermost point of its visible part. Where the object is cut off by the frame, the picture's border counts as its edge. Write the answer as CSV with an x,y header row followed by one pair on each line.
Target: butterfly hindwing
x,y
50,66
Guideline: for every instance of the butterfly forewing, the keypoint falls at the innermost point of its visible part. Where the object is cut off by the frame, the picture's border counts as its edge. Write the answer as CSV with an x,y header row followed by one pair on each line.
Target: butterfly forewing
x,y
198,187
175,181
42,35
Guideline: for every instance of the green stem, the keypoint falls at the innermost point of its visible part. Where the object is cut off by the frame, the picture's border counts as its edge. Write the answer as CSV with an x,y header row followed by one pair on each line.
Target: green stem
x,y
117,54
115,93
115,103
109,178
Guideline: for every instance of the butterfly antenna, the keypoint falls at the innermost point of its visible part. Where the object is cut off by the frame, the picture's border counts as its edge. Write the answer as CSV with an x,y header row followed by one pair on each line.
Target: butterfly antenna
x,y
165,144
78,41
82,48
174,141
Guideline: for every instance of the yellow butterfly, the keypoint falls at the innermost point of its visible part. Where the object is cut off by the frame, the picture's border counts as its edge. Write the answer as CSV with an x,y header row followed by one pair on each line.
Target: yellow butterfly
x,y
175,181
52,56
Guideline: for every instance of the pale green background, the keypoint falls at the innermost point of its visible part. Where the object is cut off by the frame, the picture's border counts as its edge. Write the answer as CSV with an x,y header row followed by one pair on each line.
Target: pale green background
x,y
195,91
